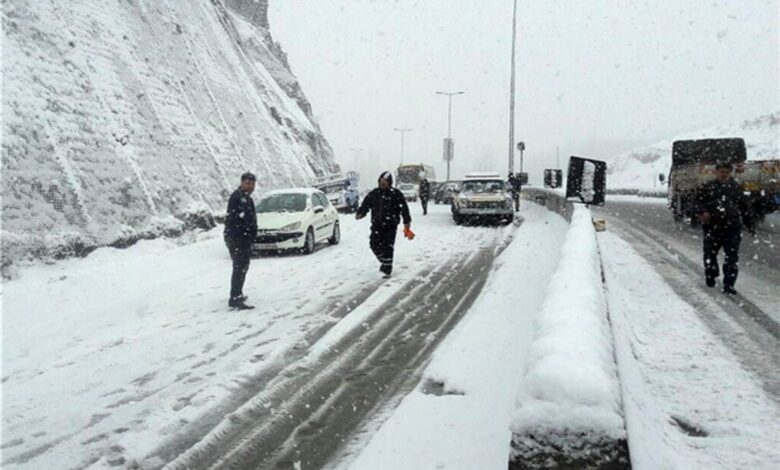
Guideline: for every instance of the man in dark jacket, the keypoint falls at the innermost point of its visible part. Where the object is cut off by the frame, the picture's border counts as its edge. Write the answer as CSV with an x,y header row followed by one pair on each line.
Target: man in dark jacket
x,y
387,206
513,181
722,208
240,232
425,194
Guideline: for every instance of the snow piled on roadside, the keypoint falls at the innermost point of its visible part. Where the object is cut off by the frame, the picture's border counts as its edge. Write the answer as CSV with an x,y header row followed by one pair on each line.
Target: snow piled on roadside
x,y
458,416
570,381
677,374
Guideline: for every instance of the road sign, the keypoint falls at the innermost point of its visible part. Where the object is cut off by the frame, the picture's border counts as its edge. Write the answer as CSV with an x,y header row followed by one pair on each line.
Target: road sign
x,y
587,181
449,149
553,178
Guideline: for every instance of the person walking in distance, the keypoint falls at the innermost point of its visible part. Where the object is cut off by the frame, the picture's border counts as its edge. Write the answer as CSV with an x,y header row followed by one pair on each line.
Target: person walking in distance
x,y
425,194
240,231
722,208
388,206
513,181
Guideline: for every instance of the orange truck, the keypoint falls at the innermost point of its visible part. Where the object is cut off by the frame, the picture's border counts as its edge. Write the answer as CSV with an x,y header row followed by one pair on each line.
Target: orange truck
x,y
693,164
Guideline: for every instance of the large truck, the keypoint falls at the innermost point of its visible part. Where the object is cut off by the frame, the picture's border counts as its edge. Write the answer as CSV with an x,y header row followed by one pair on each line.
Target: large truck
x,y
693,164
408,177
341,189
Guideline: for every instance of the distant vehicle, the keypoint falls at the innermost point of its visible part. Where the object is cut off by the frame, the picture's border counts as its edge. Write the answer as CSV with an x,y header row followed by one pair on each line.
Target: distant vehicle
x,y
445,191
295,219
408,177
693,164
341,190
482,197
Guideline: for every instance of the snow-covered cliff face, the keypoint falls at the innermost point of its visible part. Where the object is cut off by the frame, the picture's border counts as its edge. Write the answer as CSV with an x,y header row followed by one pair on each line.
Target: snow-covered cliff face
x,y
639,169
122,117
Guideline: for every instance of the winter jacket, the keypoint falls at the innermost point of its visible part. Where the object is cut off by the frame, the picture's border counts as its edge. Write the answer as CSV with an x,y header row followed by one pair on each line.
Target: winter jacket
x,y
425,189
726,204
241,220
387,208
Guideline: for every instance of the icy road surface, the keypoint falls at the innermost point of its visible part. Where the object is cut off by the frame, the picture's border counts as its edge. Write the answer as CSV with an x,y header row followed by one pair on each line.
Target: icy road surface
x,y
748,323
131,357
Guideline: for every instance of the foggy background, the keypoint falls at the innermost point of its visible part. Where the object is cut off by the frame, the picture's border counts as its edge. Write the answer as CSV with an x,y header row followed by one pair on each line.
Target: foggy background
x,y
594,77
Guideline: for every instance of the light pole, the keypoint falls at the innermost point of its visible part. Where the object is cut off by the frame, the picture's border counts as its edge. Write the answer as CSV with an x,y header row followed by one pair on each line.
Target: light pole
x,y
512,95
403,131
449,96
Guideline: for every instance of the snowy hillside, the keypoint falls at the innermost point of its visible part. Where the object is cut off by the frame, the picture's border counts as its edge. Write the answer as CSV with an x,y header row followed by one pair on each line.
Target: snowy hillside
x,y
122,119
639,169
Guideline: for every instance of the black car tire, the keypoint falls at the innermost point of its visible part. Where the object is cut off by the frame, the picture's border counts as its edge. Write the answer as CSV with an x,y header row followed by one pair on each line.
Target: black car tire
x,y
310,243
336,237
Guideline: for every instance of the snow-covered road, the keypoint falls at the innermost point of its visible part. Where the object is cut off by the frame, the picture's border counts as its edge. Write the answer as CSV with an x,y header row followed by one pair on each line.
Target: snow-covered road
x,y
748,324
131,356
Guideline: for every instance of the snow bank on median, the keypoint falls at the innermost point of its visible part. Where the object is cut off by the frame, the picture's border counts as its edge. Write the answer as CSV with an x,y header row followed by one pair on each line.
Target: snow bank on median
x,y
570,383
459,415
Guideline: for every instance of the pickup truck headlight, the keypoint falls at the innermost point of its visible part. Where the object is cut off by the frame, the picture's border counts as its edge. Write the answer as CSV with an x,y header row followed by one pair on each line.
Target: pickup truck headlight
x,y
509,202
291,227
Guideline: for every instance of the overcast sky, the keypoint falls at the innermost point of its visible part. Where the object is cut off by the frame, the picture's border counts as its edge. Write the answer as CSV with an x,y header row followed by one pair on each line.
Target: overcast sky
x,y
594,77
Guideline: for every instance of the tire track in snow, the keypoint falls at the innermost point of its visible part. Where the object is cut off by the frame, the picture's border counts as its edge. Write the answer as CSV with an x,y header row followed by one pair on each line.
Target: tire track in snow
x,y
309,409
739,327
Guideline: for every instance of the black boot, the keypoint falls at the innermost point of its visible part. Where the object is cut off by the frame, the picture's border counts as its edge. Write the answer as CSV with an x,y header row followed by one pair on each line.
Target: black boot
x,y
239,304
710,282
729,290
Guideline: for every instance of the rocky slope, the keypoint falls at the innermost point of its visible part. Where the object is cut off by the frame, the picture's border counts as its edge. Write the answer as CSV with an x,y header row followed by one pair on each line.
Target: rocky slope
x,y
128,119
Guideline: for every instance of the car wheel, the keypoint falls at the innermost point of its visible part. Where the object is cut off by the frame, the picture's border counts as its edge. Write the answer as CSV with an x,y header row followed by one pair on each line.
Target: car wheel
x,y
457,218
309,242
336,237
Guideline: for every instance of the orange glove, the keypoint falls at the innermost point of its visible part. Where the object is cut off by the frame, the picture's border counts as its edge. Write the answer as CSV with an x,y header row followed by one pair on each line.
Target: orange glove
x,y
408,233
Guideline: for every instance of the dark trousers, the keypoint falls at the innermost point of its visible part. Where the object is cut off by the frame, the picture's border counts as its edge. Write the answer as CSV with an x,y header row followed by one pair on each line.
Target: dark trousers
x,y
729,239
382,243
240,252
424,202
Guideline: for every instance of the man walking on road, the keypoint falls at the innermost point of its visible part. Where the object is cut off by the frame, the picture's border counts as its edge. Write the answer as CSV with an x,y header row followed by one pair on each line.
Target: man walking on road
x,y
722,208
513,181
425,194
387,206
240,231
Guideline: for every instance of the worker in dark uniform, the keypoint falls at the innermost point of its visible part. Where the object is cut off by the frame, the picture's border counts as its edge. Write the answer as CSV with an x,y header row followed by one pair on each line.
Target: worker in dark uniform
x,y
240,232
722,209
513,181
388,206
425,194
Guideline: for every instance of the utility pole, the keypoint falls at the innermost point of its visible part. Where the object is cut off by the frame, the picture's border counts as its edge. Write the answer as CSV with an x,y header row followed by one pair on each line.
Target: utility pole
x,y
512,95
448,153
403,131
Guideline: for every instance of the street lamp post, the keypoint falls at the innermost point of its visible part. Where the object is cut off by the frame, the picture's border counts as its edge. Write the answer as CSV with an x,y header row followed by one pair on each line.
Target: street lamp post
x,y
403,131
449,96
512,95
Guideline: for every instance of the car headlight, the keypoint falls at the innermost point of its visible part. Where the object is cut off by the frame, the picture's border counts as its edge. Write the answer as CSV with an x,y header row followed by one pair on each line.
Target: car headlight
x,y
509,202
291,226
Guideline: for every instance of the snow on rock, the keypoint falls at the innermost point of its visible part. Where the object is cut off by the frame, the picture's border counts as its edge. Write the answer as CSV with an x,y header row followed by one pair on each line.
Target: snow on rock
x,y
639,169
568,405
120,117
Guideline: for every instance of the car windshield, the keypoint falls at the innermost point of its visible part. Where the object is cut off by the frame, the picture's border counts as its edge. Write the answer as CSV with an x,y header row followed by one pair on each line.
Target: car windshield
x,y
482,186
333,188
282,203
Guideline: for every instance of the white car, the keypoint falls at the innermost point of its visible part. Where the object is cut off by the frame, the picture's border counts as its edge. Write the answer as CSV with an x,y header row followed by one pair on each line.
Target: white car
x,y
409,191
482,196
295,219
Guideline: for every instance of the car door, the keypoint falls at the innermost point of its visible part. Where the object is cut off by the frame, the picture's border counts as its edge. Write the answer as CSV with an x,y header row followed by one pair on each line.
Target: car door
x,y
322,219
